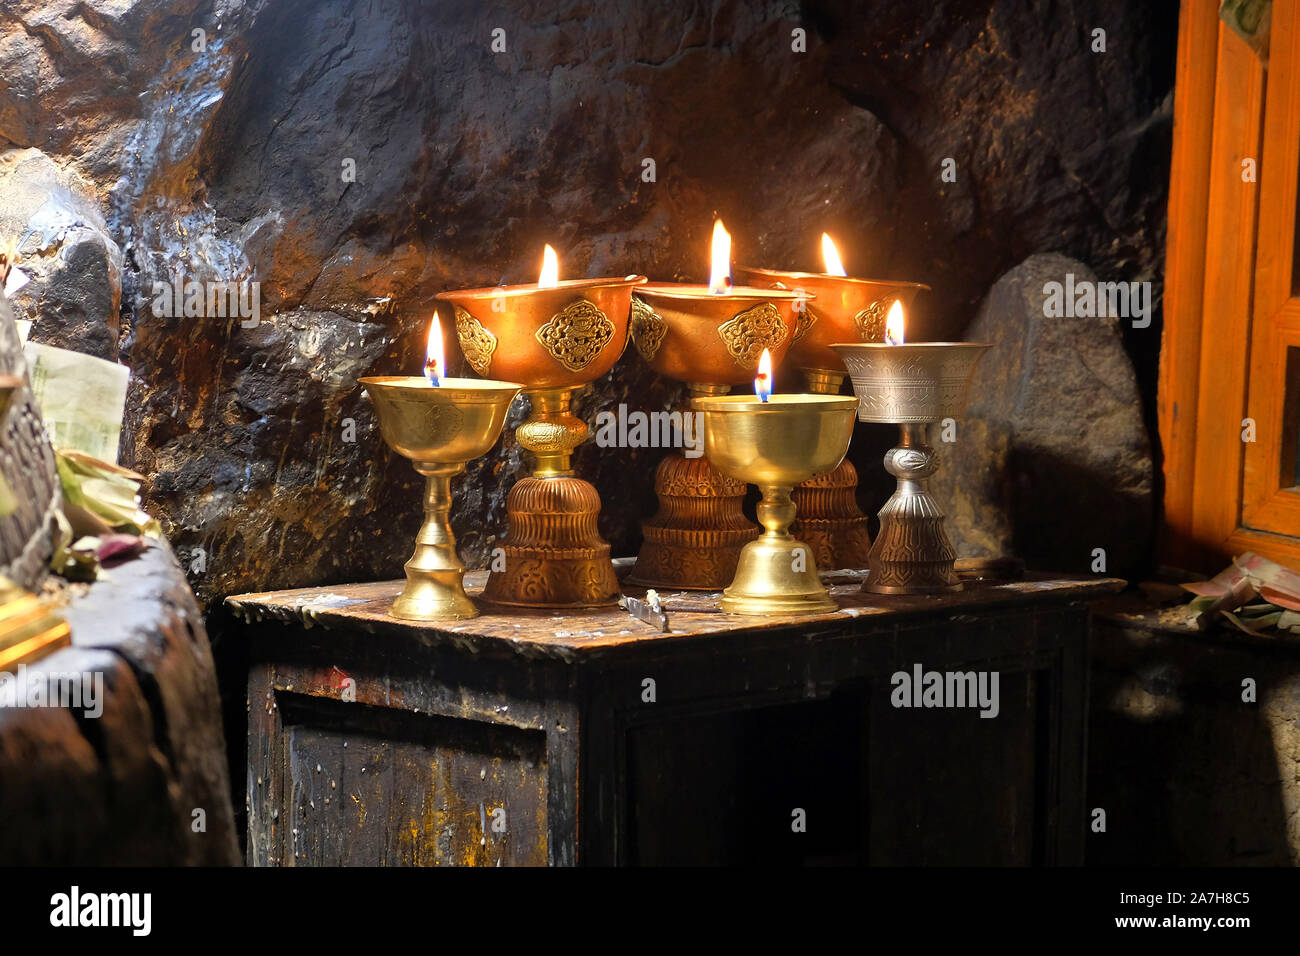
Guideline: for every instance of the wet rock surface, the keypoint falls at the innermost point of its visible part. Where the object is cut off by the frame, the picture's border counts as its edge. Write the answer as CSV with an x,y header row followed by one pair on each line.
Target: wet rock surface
x,y
227,164
74,70
65,250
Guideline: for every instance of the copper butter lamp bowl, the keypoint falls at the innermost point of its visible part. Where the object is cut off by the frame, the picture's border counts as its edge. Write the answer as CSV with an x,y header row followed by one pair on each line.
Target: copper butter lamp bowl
x,y
554,339
844,309
686,333
439,429
775,445
710,342
550,337
911,386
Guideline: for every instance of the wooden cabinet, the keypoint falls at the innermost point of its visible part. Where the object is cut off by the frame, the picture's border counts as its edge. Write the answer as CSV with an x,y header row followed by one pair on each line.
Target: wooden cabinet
x,y
590,738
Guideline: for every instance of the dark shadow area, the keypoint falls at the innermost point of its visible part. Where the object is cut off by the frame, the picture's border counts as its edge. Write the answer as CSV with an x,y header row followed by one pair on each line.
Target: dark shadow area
x,y
1187,772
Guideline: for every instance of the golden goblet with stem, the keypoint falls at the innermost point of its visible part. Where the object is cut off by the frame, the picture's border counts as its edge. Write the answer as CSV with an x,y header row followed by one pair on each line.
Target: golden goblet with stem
x,y
440,428
711,342
776,444
841,309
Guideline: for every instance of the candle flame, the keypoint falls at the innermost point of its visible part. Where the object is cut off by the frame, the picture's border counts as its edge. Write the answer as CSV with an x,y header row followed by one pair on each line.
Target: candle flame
x,y
763,380
894,324
720,261
434,360
550,276
831,257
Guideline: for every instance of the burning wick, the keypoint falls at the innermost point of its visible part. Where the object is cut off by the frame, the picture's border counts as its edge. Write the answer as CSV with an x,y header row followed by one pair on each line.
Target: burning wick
x,y
720,261
894,324
434,362
550,276
831,257
763,380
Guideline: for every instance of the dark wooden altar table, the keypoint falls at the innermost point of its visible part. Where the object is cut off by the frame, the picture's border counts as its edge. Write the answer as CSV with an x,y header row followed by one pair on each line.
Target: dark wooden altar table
x,y
591,738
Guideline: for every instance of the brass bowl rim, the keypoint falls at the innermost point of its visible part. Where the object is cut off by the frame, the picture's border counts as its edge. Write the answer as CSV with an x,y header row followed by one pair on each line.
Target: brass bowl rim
x,y
569,285
848,280
682,291
749,404
461,388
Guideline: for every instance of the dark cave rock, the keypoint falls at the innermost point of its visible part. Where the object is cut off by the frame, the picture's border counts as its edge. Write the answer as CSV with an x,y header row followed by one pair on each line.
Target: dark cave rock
x,y
1052,459
230,169
75,293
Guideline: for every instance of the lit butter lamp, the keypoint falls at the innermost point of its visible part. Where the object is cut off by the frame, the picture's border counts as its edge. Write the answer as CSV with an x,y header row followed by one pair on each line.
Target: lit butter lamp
x,y
911,386
775,442
440,424
710,337
555,337
841,309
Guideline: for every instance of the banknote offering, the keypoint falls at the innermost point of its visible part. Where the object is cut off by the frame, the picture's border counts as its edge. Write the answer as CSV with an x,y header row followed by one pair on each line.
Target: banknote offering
x,y
1253,594
81,398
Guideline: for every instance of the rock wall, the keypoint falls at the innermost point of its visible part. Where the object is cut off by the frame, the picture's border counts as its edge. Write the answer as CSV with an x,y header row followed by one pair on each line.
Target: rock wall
x,y
73,264
222,155
1051,462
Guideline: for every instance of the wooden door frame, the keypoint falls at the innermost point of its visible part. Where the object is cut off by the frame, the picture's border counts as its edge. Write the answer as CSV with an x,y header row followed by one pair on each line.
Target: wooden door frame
x,y
1220,297
1276,320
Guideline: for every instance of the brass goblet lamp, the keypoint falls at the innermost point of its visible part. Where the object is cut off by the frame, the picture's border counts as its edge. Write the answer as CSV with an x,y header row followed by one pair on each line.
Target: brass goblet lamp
x,y
776,444
439,427
711,337
841,309
555,337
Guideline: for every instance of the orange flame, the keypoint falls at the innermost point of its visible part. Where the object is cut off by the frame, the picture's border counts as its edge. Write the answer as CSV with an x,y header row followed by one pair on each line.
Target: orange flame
x,y
550,276
894,324
720,261
763,380
434,360
831,257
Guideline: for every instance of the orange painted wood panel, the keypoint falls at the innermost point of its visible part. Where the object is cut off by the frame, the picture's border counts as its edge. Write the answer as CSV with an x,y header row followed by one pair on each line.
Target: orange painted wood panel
x,y
1198,46
1268,503
1230,236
